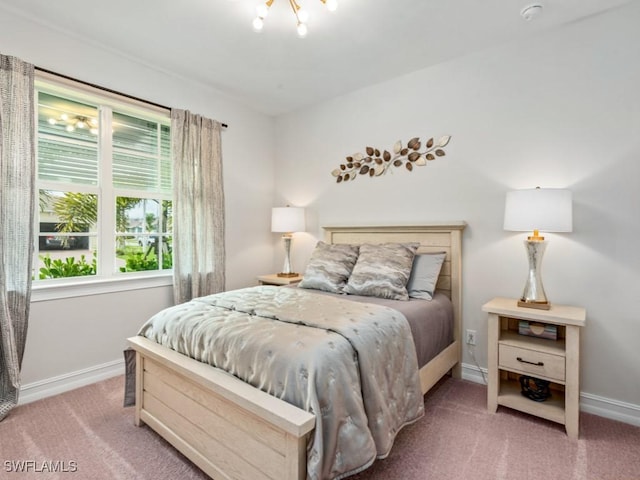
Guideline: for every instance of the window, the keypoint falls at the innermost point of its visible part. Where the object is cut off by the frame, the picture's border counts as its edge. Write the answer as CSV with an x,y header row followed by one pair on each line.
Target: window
x,y
105,187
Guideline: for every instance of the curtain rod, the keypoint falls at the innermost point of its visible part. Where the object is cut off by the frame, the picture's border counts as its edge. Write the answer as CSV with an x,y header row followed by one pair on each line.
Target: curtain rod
x,y
67,77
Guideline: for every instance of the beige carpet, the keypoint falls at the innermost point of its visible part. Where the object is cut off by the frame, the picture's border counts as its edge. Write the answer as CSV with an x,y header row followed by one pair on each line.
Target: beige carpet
x,y
88,430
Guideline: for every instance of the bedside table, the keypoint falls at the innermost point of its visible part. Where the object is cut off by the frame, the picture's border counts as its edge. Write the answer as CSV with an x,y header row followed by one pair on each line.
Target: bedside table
x,y
511,355
274,279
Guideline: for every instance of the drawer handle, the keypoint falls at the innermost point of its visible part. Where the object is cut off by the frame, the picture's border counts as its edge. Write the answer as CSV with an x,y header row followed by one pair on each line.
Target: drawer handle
x,y
537,364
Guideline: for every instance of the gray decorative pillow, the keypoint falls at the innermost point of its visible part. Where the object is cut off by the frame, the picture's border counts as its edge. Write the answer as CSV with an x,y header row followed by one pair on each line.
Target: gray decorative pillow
x,y
424,275
382,270
329,267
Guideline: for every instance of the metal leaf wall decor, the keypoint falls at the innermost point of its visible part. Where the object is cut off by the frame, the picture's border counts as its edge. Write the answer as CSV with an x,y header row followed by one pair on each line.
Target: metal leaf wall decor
x,y
376,163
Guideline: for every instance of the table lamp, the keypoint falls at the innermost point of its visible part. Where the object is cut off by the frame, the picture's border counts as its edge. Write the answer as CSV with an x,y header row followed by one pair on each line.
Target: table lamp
x,y
540,210
287,220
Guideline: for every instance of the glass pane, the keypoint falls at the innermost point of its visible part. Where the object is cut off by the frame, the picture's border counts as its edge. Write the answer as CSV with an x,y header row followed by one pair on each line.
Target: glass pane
x,y
166,167
137,215
167,216
167,257
66,119
62,260
142,253
64,162
142,154
67,212
127,247
67,140
130,171
67,241
140,244
135,134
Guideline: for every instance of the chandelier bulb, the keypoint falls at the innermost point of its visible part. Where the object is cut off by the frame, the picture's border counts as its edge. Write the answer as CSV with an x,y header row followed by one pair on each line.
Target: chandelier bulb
x,y
302,30
70,128
262,10
258,23
303,15
332,5
52,121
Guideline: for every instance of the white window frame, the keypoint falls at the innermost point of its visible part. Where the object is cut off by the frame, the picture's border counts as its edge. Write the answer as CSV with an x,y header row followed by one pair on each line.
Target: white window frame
x,y
108,279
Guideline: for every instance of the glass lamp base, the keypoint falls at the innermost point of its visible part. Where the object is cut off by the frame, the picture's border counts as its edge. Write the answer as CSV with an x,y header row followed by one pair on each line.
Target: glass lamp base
x,y
286,270
533,295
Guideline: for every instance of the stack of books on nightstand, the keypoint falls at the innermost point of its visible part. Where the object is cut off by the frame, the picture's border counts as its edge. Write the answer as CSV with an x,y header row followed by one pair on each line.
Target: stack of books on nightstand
x,y
541,330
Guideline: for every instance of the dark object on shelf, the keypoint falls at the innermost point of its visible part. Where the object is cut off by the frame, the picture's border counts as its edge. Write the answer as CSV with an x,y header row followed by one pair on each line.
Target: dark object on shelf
x,y
534,388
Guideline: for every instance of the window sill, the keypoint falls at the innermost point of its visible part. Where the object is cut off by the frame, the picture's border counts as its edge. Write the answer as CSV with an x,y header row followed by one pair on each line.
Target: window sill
x,y
43,293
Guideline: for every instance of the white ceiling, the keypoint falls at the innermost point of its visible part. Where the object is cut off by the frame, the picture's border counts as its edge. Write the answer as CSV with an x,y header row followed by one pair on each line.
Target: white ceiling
x,y
364,42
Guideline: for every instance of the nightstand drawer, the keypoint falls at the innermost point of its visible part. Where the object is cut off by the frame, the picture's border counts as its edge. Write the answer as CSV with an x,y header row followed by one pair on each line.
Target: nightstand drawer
x,y
532,362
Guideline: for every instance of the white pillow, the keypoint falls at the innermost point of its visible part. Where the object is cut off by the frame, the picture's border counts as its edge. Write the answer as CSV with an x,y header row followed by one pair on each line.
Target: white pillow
x,y
424,275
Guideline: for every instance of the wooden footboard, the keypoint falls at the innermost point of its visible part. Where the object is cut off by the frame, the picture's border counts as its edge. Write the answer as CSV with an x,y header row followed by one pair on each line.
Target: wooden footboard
x,y
223,425
226,427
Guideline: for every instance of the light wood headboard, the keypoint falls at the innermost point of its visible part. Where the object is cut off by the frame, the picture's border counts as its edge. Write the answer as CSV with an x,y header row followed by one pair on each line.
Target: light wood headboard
x,y
440,237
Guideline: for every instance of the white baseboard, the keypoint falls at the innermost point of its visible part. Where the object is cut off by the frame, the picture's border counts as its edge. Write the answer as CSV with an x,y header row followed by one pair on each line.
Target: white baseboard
x,y
69,381
589,403
610,408
474,374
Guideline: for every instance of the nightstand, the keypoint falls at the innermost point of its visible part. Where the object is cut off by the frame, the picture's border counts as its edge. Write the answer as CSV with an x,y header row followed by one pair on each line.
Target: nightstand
x,y
511,355
274,279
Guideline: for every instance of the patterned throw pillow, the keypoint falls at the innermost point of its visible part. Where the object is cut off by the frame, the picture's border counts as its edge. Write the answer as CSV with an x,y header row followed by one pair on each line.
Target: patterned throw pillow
x,y
424,275
329,267
382,270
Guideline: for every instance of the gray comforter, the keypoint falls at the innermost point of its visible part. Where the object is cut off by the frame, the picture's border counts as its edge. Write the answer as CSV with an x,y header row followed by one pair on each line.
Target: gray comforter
x,y
351,364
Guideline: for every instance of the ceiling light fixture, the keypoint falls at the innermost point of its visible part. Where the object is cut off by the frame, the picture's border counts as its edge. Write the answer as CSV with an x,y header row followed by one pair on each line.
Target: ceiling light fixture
x,y
301,15
71,123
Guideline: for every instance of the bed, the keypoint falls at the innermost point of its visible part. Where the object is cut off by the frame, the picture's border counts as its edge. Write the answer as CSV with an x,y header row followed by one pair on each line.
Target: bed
x,y
232,430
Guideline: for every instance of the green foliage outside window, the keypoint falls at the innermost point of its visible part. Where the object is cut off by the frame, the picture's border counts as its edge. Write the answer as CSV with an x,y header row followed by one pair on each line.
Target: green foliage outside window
x,y
68,267
137,262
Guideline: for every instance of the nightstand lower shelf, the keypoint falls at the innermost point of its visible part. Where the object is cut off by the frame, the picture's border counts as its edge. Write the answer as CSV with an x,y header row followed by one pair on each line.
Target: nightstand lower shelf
x,y
551,409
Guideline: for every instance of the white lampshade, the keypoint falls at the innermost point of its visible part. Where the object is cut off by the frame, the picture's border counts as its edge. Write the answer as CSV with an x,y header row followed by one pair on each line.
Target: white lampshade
x,y
287,219
543,209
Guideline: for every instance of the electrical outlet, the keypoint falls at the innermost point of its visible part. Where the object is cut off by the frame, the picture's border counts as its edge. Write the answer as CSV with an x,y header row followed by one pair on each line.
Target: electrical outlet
x,y
471,337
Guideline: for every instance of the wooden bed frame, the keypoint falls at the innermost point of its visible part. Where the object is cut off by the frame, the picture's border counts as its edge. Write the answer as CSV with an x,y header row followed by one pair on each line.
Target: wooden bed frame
x,y
232,430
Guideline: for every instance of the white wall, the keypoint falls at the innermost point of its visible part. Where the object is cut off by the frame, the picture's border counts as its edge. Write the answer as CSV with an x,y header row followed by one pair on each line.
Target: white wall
x,y
71,335
559,109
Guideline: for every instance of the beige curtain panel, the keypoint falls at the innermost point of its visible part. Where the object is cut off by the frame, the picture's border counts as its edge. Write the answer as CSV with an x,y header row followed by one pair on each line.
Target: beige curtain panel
x,y
17,202
198,206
